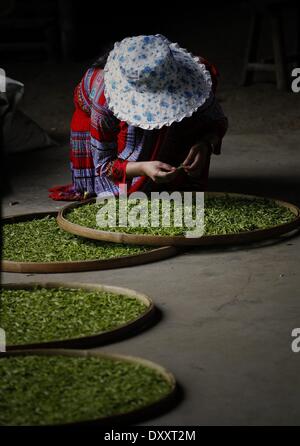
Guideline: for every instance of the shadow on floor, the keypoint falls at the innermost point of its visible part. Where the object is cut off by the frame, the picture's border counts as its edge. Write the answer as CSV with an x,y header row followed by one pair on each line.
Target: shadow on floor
x,y
284,188
286,238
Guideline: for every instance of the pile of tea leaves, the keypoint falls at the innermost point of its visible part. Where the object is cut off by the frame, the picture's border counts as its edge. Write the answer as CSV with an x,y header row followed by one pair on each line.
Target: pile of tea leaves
x,y
222,215
41,240
44,314
50,390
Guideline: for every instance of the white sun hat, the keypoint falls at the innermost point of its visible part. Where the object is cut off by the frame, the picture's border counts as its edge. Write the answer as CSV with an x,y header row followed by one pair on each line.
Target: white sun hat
x,y
151,82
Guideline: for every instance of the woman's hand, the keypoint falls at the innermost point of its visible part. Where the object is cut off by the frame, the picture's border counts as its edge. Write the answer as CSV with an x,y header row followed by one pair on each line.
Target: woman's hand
x,y
195,162
159,172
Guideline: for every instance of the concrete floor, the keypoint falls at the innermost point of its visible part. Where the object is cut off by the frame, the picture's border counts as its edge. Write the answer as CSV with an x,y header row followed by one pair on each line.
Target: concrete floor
x,y
227,313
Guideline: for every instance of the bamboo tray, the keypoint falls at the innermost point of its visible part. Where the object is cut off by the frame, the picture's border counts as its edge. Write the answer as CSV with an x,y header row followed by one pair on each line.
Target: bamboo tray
x,y
82,265
151,410
97,339
207,240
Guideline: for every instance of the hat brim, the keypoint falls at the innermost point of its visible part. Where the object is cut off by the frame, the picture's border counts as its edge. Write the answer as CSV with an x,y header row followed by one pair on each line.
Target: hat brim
x,y
186,93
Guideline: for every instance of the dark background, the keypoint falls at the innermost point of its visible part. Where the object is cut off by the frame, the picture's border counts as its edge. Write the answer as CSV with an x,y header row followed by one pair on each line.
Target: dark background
x,y
80,30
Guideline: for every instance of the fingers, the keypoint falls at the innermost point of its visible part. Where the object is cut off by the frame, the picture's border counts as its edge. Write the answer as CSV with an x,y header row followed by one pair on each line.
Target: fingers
x,y
167,167
193,162
196,162
189,158
195,153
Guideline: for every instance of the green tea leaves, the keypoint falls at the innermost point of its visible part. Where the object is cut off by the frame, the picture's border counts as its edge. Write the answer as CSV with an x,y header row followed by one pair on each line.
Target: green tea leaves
x,y
223,215
41,240
40,314
41,390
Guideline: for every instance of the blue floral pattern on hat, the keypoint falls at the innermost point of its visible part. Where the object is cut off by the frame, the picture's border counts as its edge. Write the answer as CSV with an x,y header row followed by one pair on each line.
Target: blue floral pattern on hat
x,y
151,82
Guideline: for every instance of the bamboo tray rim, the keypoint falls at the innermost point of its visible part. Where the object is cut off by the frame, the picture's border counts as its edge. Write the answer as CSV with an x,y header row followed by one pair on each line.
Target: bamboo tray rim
x,y
100,337
155,254
156,406
143,239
